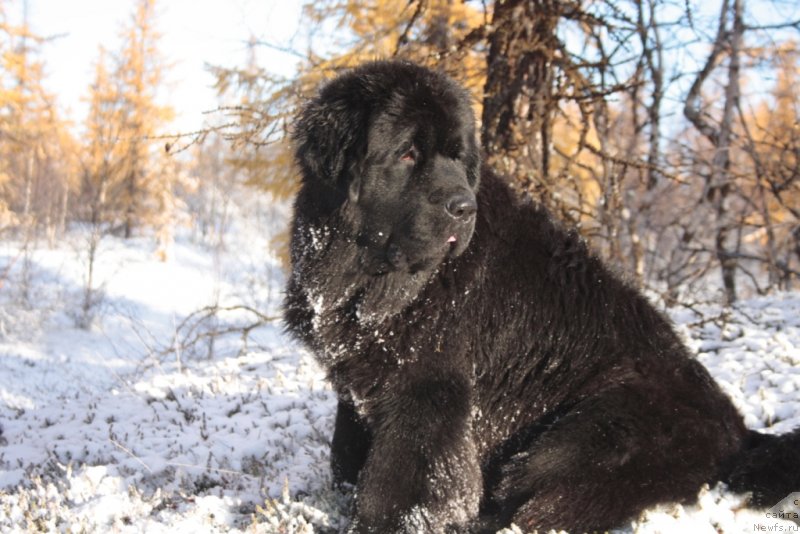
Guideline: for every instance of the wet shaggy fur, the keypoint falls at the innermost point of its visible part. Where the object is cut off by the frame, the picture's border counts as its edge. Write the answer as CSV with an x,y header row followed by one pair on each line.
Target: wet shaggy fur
x,y
489,368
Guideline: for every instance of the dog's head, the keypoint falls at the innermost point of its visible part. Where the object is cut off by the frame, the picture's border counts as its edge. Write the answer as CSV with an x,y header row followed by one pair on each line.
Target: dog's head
x,y
392,147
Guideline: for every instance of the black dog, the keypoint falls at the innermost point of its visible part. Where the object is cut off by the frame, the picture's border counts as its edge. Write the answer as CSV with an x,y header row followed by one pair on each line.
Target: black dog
x,y
489,369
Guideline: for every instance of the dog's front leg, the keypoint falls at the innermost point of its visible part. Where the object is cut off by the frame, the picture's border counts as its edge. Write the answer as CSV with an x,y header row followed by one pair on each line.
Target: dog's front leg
x,y
422,473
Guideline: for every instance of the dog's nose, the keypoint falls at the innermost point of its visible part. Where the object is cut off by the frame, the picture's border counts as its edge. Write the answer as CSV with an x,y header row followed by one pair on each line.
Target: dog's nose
x,y
462,205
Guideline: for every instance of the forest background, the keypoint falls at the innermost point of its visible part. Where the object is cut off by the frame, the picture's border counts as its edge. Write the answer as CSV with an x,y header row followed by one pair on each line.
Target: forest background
x,y
665,131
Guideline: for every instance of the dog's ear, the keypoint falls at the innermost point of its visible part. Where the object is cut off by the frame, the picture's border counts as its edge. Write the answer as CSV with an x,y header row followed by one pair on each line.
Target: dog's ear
x,y
327,133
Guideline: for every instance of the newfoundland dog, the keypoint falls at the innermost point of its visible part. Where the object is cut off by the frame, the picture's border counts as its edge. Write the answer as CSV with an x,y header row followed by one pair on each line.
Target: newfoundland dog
x,y
489,368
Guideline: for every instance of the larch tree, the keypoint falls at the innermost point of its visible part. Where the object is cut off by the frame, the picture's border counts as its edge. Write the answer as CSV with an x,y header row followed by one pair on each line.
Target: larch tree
x,y
8,97
139,75
519,106
771,140
104,151
35,173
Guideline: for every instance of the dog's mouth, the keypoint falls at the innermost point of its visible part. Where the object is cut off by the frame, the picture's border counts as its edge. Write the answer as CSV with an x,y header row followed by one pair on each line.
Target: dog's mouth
x,y
395,257
396,261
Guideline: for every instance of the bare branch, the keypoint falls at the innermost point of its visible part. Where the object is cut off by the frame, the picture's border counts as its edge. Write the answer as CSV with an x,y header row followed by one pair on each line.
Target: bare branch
x,y
693,108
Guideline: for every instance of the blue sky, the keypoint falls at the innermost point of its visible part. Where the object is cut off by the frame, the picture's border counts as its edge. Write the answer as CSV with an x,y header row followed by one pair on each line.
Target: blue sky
x,y
194,32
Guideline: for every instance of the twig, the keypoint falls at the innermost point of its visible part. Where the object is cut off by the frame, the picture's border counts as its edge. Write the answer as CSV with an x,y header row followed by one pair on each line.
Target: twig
x,y
404,36
130,453
188,332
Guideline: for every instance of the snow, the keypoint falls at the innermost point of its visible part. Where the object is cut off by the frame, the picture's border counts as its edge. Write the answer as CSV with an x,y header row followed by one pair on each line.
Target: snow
x,y
121,428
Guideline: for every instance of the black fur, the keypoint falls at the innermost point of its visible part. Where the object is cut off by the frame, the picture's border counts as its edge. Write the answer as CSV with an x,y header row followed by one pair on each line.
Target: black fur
x,y
489,368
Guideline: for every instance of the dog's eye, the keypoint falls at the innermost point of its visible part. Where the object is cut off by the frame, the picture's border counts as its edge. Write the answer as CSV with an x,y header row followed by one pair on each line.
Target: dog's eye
x,y
409,155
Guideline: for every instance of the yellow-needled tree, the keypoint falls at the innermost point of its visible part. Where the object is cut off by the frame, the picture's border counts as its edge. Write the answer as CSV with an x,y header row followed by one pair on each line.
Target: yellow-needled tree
x,y
104,152
36,149
771,167
9,103
139,77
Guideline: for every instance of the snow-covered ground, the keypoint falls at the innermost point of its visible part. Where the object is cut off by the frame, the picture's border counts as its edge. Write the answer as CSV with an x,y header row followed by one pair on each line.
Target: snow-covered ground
x,y
145,423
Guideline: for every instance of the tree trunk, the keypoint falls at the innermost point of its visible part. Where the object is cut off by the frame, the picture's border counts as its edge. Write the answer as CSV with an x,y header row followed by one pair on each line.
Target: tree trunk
x,y
720,181
653,56
27,206
519,104
132,188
